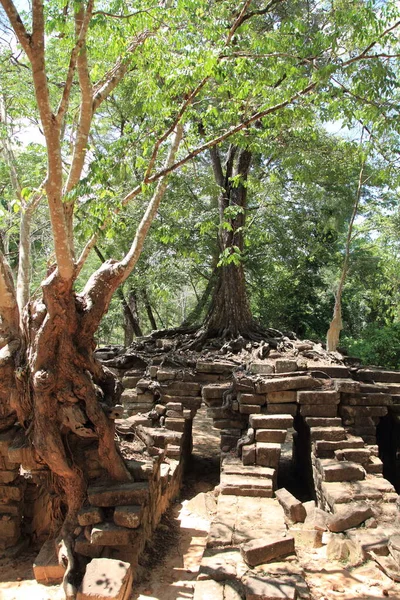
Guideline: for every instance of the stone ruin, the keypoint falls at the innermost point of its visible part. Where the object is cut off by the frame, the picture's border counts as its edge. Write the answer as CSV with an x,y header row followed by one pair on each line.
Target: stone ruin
x,y
339,421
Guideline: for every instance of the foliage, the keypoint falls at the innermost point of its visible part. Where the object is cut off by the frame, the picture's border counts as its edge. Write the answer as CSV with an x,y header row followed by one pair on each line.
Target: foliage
x,y
377,345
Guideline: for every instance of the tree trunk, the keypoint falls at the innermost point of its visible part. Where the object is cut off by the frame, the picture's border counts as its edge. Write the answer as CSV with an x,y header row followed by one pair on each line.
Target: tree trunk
x,y
131,317
229,315
149,310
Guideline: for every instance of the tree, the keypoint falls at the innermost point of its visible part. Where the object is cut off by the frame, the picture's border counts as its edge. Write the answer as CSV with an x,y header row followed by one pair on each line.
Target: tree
x,y
177,54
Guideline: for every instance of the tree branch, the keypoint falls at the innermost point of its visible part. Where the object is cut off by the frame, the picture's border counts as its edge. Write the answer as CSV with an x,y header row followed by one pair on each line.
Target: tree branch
x,y
23,36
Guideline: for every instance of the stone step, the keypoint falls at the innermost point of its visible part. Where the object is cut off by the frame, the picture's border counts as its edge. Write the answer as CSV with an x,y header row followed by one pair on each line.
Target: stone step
x,y
120,494
355,455
325,397
268,454
271,421
372,488
326,449
318,410
328,434
239,485
374,466
324,421
334,470
234,466
277,436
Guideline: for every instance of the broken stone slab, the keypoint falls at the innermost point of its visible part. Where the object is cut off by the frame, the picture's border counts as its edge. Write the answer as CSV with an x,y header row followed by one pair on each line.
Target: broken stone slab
x,y
268,454
106,579
208,589
129,516
349,518
265,549
277,436
280,384
340,548
334,470
292,507
284,397
220,564
394,547
329,434
252,399
372,540
90,515
318,397
271,421
388,565
273,588
308,537
120,494
46,567
318,519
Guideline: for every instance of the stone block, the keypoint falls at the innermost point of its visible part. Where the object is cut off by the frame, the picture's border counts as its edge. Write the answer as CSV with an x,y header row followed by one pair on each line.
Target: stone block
x,y
349,518
237,485
285,397
346,492
367,399
272,588
318,519
262,550
318,410
249,409
292,507
323,397
271,421
9,528
174,406
252,399
324,421
46,567
218,367
84,547
309,537
268,455
106,579
280,384
329,434
208,589
166,374
334,470
129,516
285,365
261,368
249,454
109,534
177,424
119,494
280,409
182,388
327,449
228,424
347,386
215,390
277,436
90,515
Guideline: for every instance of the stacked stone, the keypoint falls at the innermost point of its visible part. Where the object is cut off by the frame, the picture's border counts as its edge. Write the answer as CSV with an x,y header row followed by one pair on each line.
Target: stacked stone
x,y
181,398
137,397
11,494
225,417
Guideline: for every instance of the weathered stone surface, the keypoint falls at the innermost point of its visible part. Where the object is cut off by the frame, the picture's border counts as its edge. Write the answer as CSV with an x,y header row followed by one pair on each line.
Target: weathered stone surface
x,y
262,368
271,421
280,409
334,470
245,486
215,390
355,455
330,370
182,388
279,384
130,516
109,534
326,449
249,409
120,494
318,519
176,406
378,375
233,466
90,515
274,588
324,421
9,528
292,507
268,455
261,550
175,424
46,568
84,547
308,537
347,386
329,434
285,365
345,492
10,493
8,476
284,397
249,454
252,398
203,366
377,399
320,397
318,410
166,374
6,439
277,436
106,579
186,401
208,589
351,517
219,564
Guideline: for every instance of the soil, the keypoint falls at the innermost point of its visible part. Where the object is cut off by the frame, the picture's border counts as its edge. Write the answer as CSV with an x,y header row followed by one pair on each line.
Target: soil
x,y
171,562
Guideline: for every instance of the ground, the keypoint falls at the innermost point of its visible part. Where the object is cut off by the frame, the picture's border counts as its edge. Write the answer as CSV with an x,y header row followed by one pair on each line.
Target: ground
x,y
172,561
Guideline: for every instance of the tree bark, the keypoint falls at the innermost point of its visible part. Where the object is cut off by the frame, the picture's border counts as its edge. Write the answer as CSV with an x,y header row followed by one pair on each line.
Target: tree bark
x,y
131,317
149,310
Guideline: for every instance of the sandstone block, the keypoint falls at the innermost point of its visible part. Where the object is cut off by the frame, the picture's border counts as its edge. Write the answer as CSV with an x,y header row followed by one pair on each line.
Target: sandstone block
x,y
120,494
175,424
46,568
237,485
109,534
318,410
292,507
90,515
214,390
324,421
268,455
182,388
129,516
208,589
329,434
273,588
347,386
285,365
280,384
271,421
351,517
252,398
280,409
106,579
378,399
261,550
249,454
287,396
327,449
334,470
261,368
218,367
324,398
277,436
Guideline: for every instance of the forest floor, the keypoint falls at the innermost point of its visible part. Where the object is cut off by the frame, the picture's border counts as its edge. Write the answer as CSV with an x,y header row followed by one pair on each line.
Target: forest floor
x,y
172,560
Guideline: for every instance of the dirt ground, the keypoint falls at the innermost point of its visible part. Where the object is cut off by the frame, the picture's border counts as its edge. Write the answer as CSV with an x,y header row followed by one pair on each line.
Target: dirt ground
x,y
171,563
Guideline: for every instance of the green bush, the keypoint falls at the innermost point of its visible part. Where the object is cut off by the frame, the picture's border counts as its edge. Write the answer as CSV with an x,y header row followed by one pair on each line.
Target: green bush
x,y
378,345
